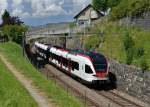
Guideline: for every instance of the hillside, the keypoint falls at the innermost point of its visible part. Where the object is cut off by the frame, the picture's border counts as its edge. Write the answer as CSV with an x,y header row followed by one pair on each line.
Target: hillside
x,y
130,8
52,26
12,93
13,53
113,43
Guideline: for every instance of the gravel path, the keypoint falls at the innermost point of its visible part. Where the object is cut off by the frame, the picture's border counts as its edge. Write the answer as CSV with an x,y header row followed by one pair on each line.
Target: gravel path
x,y
37,95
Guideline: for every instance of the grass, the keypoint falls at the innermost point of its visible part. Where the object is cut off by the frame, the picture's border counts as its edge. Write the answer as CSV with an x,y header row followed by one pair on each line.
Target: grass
x,y
14,53
12,93
113,46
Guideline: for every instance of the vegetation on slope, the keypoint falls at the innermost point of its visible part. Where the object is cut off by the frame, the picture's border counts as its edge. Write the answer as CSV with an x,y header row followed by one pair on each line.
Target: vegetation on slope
x,y
12,28
130,8
14,53
122,8
103,5
12,93
128,45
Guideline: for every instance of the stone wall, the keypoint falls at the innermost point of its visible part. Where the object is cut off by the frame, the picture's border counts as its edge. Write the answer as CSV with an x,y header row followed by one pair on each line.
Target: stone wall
x,y
131,80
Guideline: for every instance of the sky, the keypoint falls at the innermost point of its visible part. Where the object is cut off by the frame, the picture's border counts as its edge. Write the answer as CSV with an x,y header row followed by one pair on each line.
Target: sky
x,y
39,12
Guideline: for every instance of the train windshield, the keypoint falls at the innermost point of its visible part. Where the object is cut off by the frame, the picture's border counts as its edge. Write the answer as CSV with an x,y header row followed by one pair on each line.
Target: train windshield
x,y
99,62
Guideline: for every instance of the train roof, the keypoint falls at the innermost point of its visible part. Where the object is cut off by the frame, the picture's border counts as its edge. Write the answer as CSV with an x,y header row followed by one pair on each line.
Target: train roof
x,y
96,57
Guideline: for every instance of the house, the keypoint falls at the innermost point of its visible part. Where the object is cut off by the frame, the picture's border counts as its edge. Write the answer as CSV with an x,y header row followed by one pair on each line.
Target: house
x,y
87,15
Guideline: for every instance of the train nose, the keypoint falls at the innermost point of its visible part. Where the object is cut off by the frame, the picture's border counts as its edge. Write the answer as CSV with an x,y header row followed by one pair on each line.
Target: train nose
x,y
101,75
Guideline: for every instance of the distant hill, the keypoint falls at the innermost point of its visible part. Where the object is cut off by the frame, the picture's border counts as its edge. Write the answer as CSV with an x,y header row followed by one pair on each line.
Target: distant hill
x,y
60,25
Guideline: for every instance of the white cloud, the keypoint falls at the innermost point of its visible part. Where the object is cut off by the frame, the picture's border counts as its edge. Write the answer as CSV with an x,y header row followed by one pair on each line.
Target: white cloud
x,y
3,6
44,8
17,2
20,13
81,3
27,9
18,9
78,5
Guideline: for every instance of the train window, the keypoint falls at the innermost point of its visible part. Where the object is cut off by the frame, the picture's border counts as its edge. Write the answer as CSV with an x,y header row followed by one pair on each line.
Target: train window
x,y
52,56
88,69
56,57
59,59
65,62
75,65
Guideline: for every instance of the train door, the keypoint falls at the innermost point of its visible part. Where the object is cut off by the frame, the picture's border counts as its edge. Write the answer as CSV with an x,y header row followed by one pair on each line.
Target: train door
x,y
61,62
69,65
81,70
87,72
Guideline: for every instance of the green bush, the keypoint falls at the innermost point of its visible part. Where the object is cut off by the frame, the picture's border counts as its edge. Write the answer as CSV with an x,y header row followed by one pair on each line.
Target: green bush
x,y
140,52
130,8
129,46
144,64
72,25
128,42
14,32
129,56
92,42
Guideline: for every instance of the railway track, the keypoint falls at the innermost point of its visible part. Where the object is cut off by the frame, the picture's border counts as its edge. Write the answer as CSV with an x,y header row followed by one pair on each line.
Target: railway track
x,y
113,97
121,101
89,97
71,89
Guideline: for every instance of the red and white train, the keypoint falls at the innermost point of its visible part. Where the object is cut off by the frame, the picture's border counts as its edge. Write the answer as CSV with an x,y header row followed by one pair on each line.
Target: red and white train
x,y
88,66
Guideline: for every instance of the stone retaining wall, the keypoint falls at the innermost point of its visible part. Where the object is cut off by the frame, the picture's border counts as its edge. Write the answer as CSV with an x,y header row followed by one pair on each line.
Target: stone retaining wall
x,y
131,80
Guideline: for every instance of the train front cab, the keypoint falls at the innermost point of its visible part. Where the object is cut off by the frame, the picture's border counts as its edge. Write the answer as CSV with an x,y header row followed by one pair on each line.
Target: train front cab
x,y
100,69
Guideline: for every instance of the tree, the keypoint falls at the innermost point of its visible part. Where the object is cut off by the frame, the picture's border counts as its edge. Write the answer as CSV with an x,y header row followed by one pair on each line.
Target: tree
x,y
130,8
100,5
103,5
6,18
14,32
113,3
15,20
12,27
10,20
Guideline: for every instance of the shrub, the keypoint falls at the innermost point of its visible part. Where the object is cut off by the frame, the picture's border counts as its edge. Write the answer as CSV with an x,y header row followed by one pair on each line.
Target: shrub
x,y
128,42
129,55
129,46
14,32
92,42
130,8
140,52
72,25
144,64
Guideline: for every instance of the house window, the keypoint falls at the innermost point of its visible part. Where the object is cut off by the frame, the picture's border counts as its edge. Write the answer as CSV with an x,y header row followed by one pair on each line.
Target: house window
x,y
81,22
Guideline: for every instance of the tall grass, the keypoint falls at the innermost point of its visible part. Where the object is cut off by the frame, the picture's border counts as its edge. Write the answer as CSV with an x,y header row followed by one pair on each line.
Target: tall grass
x,y
14,54
113,46
12,93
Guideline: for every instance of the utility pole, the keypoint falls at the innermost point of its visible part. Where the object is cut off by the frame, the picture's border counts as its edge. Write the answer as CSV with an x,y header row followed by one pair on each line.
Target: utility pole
x,y
23,43
83,36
